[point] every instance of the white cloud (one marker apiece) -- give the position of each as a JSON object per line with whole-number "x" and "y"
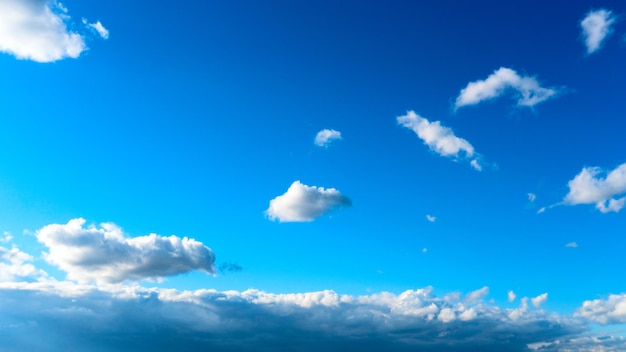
{"x": 6, "y": 237}
{"x": 104, "y": 254}
{"x": 477, "y": 294}
{"x": 572, "y": 245}
{"x": 439, "y": 138}
{"x": 98, "y": 27}
{"x": 588, "y": 188}
{"x": 539, "y": 300}
{"x": 596, "y": 27}
{"x": 302, "y": 203}
{"x": 532, "y": 197}
{"x": 431, "y": 218}
{"x": 324, "y": 137}
{"x": 424, "y": 250}
{"x": 474, "y": 163}
{"x": 541, "y": 210}
{"x": 35, "y": 30}
{"x": 511, "y": 296}
{"x": 526, "y": 89}
{"x": 605, "y": 311}
{"x": 14, "y": 264}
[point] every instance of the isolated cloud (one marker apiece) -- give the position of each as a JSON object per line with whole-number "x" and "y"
{"x": 123, "y": 318}
{"x": 571, "y": 245}
{"x": 588, "y": 187}
{"x": 605, "y": 311}
{"x": 302, "y": 203}
{"x": 511, "y": 296}
{"x": 439, "y": 138}
{"x": 477, "y": 295}
{"x": 104, "y": 254}
{"x": 526, "y": 89}
{"x": 431, "y": 218}
{"x": 98, "y": 27}
{"x": 324, "y": 137}
{"x": 596, "y": 27}
{"x": 36, "y": 30}
{"x": 532, "y": 197}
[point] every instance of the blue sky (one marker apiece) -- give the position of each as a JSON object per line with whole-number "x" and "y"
{"x": 440, "y": 164}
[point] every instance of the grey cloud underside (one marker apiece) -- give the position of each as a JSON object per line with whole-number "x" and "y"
{"x": 100, "y": 321}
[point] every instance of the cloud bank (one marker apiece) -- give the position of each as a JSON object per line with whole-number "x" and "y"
{"x": 596, "y": 27}
{"x": 526, "y": 89}
{"x": 104, "y": 254}
{"x": 302, "y": 203}
{"x": 438, "y": 138}
{"x": 35, "y": 30}
{"x": 122, "y": 318}
{"x": 588, "y": 187}
{"x": 324, "y": 137}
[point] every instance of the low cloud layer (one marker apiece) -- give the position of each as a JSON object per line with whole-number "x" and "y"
{"x": 526, "y": 89}
{"x": 123, "y": 318}
{"x": 302, "y": 203}
{"x": 596, "y": 27}
{"x": 589, "y": 187}
{"x": 439, "y": 139}
{"x": 324, "y": 137}
{"x": 104, "y": 254}
{"x": 36, "y": 30}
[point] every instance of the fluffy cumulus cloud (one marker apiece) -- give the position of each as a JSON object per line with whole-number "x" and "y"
{"x": 605, "y": 311}
{"x": 302, "y": 203}
{"x": 440, "y": 139}
{"x": 596, "y": 27}
{"x": 324, "y": 137}
{"x": 122, "y": 318}
{"x": 589, "y": 187}
{"x": 36, "y": 30}
{"x": 526, "y": 89}
{"x": 511, "y": 296}
{"x": 104, "y": 254}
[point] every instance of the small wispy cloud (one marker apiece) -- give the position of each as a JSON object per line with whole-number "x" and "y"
{"x": 424, "y": 250}
{"x": 532, "y": 197}
{"x": 511, "y": 296}
{"x": 324, "y": 137}
{"x": 571, "y": 245}
{"x": 588, "y": 187}
{"x": 431, "y": 218}
{"x": 229, "y": 267}
{"x": 302, "y": 203}
{"x": 596, "y": 27}
{"x": 440, "y": 139}
{"x": 526, "y": 89}
{"x": 98, "y": 27}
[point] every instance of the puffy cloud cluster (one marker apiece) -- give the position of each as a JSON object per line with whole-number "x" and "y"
{"x": 36, "y": 30}
{"x": 15, "y": 264}
{"x": 588, "y": 187}
{"x": 104, "y": 254}
{"x": 596, "y": 27}
{"x": 118, "y": 317}
{"x": 438, "y": 138}
{"x": 302, "y": 203}
{"x": 324, "y": 137}
{"x": 526, "y": 89}
{"x": 605, "y": 311}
